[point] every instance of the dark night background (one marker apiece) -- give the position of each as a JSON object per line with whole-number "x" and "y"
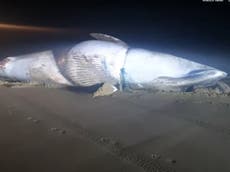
{"x": 195, "y": 30}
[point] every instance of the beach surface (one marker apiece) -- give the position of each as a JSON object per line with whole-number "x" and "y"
{"x": 47, "y": 129}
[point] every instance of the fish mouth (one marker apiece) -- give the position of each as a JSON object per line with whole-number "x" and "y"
{"x": 201, "y": 77}
{"x": 209, "y": 73}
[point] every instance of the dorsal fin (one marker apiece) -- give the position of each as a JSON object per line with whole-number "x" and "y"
{"x": 105, "y": 37}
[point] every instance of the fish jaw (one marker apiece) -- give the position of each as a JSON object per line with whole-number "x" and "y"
{"x": 199, "y": 79}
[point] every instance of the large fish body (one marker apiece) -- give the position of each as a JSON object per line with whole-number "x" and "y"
{"x": 99, "y": 61}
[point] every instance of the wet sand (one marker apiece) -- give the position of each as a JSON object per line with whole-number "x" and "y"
{"x": 44, "y": 129}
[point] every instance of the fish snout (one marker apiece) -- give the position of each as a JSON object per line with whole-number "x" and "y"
{"x": 219, "y": 74}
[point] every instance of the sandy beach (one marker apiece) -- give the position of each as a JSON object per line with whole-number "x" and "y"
{"x": 46, "y": 129}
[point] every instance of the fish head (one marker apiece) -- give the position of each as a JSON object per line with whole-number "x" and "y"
{"x": 159, "y": 69}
